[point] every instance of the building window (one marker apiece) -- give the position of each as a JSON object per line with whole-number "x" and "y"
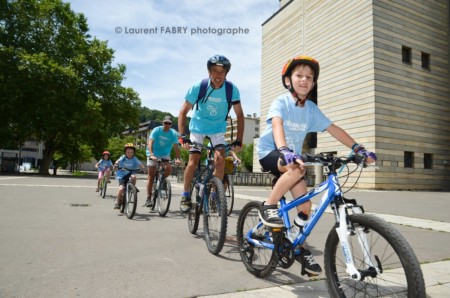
{"x": 425, "y": 60}
{"x": 406, "y": 54}
{"x": 409, "y": 159}
{"x": 428, "y": 161}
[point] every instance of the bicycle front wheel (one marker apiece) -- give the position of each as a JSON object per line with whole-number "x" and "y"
{"x": 131, "y": 201}
{"x": 154, "y": 195}
{"x": 164, "y": 196}
{"x": 104, "y": 186}
{"x": 215, "y": 216}
{"x": 379, "y": 251}
{"x": 254, "y": 241}
{"x": 229, "y": 194}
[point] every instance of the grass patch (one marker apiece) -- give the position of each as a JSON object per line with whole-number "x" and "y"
{"x": 79, "y": 174}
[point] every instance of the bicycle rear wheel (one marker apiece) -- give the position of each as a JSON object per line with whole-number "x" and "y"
{"x": 215, "y": 216}
{"x": 259, "y": 259}
{"x": 194, "y": 212}
{"x": 164, "y": 197}
{"x": 397, "y": 272}
{"x": 229, "y": 194}
{"x": 131, "y": 201}
{"x": 122, "y": 205}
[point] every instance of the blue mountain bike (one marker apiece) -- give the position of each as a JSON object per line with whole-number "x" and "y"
{"x": 209, "y": 199}
{"x": 162, "y": 192}
{"x": 364, "y": 255}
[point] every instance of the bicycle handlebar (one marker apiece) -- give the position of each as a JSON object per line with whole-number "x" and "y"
{"x": 198, "y": 145}
{"x": 327, "y": 160}
{"x": 127, "y": 169}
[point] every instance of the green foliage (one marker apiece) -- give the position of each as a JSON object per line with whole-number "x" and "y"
{"x": 57, "y": 83}
{"x": 145, "y": 114}
{"x": 246, "y": 156}
{"x": 116, "y": 147}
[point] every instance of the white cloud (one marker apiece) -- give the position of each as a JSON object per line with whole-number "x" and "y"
{"x": 162, "y": 66}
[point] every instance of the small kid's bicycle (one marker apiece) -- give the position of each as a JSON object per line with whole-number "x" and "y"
{"x": 162, "y": 193}
{"x": 210, "y": 200}
{"x": 364, "y": 255}
{"x": 129, "y": 201}
{"x": 103, "y": 184}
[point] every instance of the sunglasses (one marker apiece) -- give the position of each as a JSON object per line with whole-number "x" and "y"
{"x": 167, "y": 123}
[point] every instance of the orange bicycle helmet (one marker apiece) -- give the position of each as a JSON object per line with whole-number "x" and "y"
{"x": 301, "y": 59}
{"x": 289, "y": 67}
{"x": 106, "y": 152}
{"x": 129, "y": 145}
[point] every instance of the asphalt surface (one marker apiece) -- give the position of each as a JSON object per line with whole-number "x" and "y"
{"x": 60, "y": 239}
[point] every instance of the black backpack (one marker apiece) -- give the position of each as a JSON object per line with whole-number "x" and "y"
{"x": 204, "y": 88}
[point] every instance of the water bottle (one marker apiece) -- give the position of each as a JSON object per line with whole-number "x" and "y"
{"x": 299, "y": 222}
{"x": 201, "y": 186}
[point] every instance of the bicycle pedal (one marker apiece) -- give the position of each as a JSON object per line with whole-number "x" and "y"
{"x": 309, "y": 274}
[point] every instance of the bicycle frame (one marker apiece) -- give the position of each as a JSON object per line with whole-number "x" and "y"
{"x": 209, "y": 171}
{"x": 331, "y": 193}
{"x": 207, "y": 174}
{"x": 160, "y": 170}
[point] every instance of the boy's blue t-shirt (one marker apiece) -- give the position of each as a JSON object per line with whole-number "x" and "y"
{"x": 297, "y": 122}
{"x": 163, "y": 141}
{"x": 209, "y": 118}
{"x": 104, "y": 164}
{"x": 129, "y": 163}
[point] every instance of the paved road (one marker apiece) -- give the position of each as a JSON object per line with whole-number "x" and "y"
{"x": 60, "y": 239}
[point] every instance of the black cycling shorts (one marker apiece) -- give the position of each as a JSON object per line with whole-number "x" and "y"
{"x": 270, "y": 162}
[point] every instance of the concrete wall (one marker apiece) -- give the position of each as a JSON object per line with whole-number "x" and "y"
{"x": 364, "y": 87}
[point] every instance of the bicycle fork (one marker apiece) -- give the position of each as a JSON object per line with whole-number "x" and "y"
{"x": 344, "y": 230}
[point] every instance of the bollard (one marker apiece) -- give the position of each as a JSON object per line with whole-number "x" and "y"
{"x": 319, "y": 174}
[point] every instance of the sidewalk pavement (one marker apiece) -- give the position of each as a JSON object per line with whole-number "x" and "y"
{"x": 437, "y": 281}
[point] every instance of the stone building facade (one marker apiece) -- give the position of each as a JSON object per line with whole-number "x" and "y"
{"x": 384, "y": 79}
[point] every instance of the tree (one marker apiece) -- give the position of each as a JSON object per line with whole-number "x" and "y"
{"x": 57, "y": 83}
{"x": 116, "y": 147}
{"x": 246, "y": 156}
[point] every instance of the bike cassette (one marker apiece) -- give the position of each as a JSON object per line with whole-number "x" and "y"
{"x": 286, "y": 255}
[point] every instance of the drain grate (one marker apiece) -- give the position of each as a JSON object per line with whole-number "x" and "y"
{"x": 79, "y": 205}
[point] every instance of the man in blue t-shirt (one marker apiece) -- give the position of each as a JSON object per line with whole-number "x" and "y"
{"x": 160, "y": 143}
{"x": 209, "y": 120}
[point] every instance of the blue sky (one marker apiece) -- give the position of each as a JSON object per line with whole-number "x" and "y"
{"x": 169, "y": 53}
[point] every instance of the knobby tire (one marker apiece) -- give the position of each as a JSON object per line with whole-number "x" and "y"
{"x": 258, "y": 260}
{"x": 401, "y": 276}
{"x": 215, "y": 216}
{"x": 164, "y": 197}
{"x": 131, "y": 201}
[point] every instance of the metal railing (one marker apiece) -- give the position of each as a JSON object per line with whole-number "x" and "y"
{"x": 259, "y": 179}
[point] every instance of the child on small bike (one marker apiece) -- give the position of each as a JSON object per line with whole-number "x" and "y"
{"x": 126, "y": 161}
{"x": 104, "y": 167}
{"x": 290, "y": 117}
